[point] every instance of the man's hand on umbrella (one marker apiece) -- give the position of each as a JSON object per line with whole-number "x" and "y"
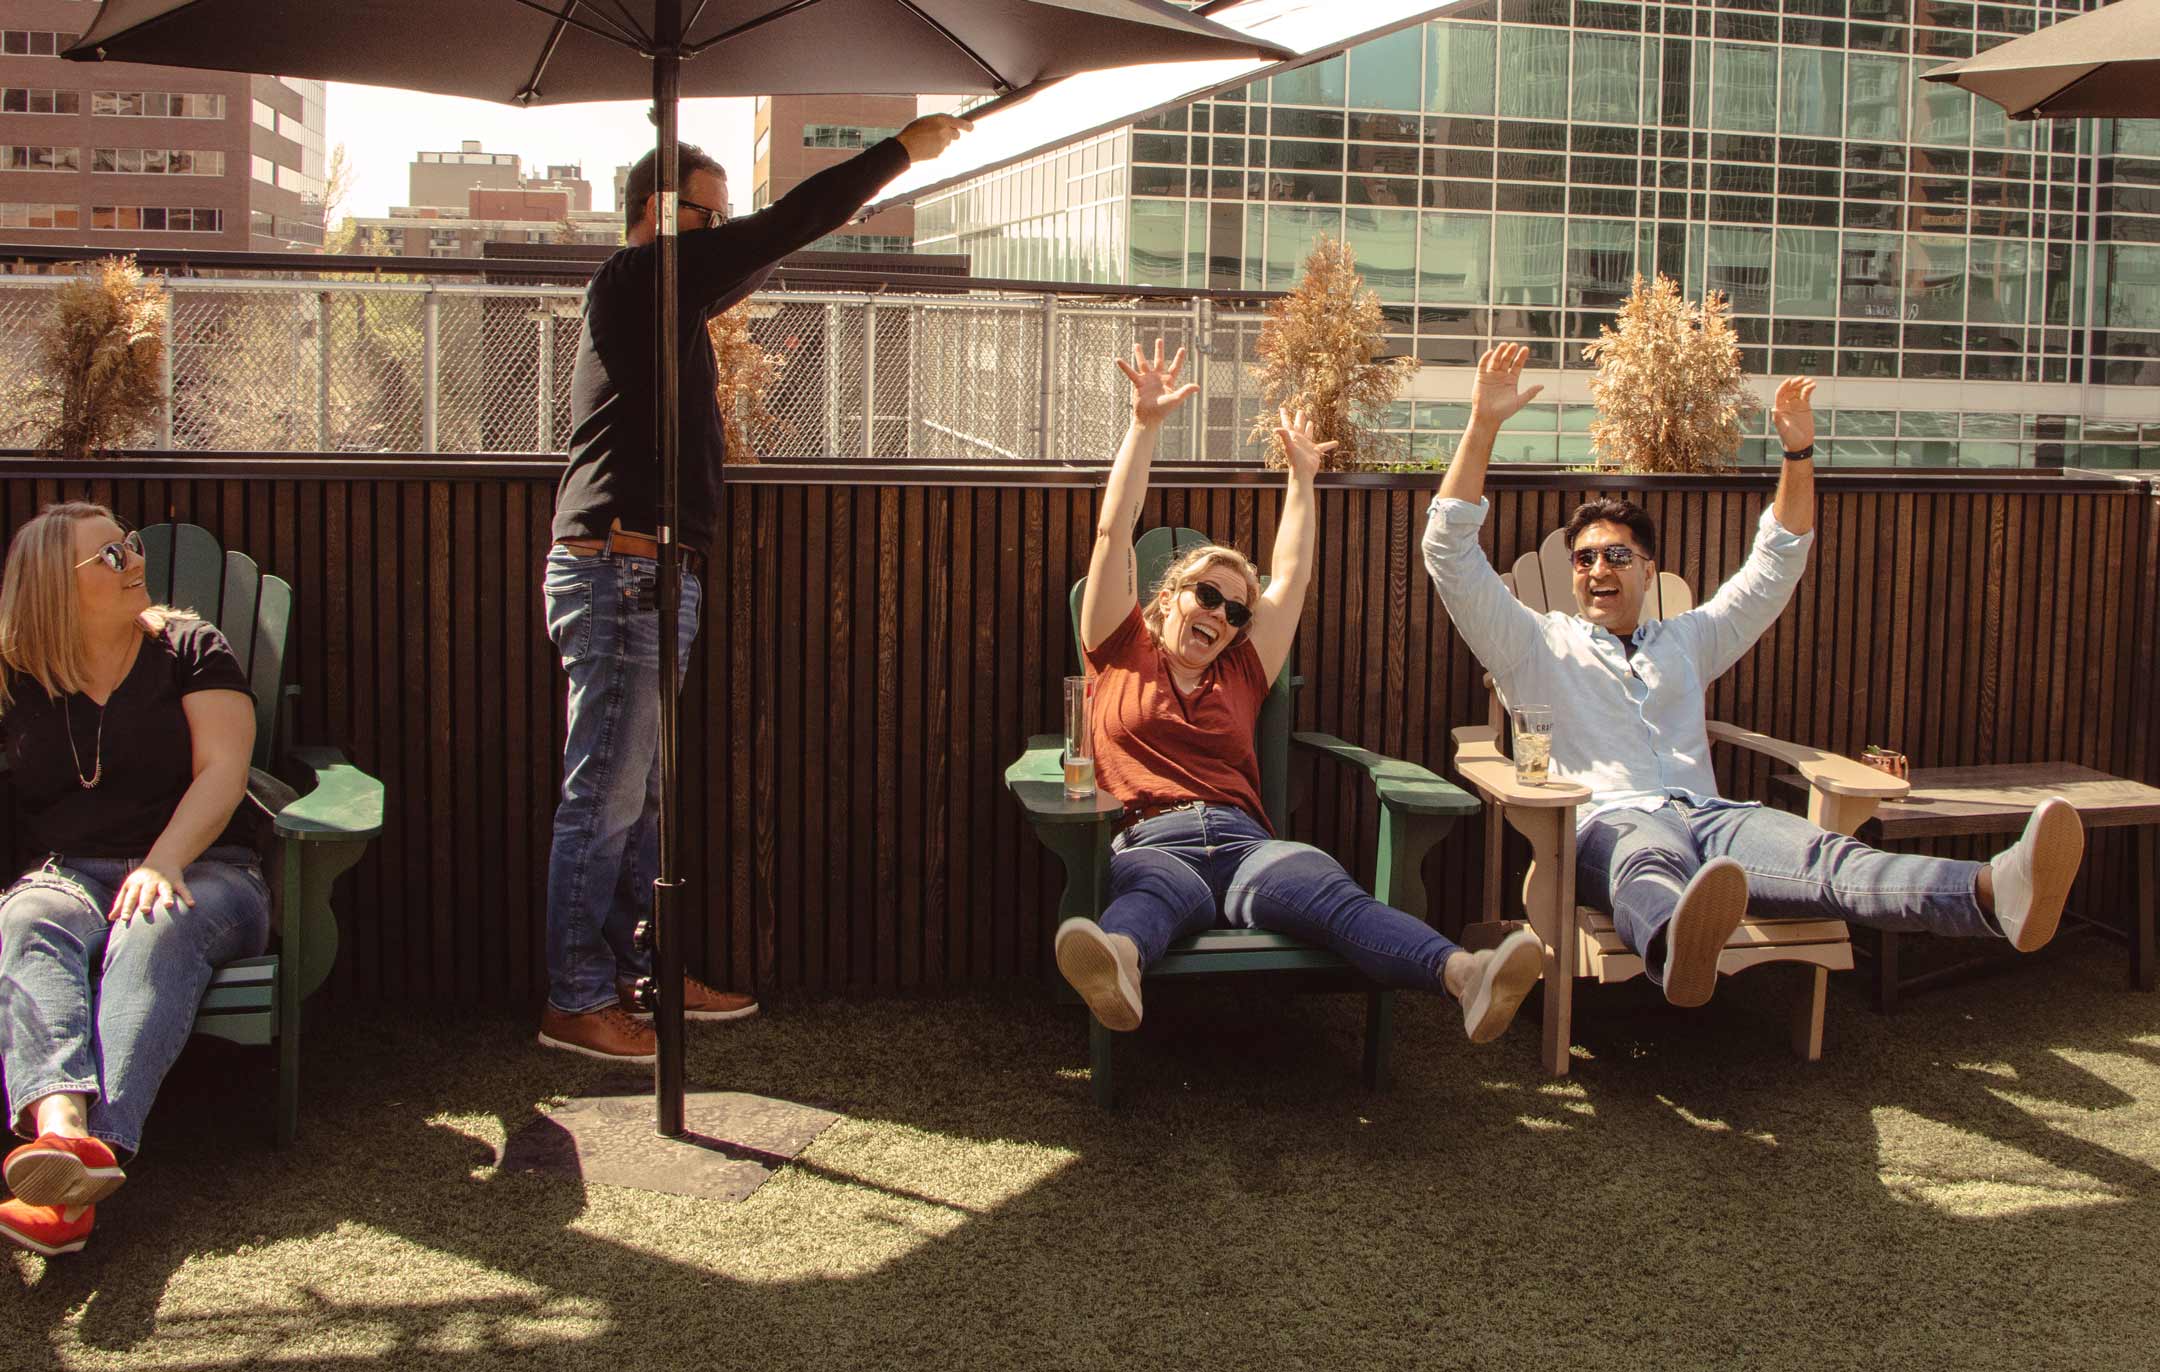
{"x": 930, "y": 135}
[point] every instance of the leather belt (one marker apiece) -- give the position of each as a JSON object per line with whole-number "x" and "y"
{"x": 1140, "y": 814}
{"x": 621, "y": 543}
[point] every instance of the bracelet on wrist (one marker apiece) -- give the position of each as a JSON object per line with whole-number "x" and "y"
{"x": 1801, "y": 454}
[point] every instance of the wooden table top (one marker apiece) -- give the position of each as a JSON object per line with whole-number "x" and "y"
{"x": 1997, "y": 799}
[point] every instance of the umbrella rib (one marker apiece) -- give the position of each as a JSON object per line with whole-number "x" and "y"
{"x": 949, "y": 36}
{"x": 699, "y": 49}
{"x": 613, "y": 33}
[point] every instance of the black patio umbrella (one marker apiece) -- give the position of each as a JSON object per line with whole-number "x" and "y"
{"x": 2102, "y": 64}
{"x": 532, "y": 52}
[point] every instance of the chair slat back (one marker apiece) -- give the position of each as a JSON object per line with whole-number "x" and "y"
{"x": 1154, "y": 551}
{"x": 186, "y": 568}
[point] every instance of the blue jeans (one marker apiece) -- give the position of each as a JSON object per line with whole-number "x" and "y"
{"x": 1191, "y": 870}
{"x": 603, "y": 614}
{"x": 1633, "y": 864}
{"x": 99, "y": 1009}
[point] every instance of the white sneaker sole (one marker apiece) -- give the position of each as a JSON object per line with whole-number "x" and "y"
{"x": 1711, "y": 908}
{"x": 59, "y": 1178}
{"x": 25, "y": 1241}
{"x": 2058, "y": 849}
{"x": 1085, "y": 959}
{"x": 1518, "y": 963}
{"x": 704, "y": 1015}
{"x": 582, "y": 1051}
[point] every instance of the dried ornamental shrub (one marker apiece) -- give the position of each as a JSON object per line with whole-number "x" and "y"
{"x": 101, "y": 352}
{"x": 1321, "y": 351}
{"x": 747, "y": 373}
{"x": 1669, "y": 391}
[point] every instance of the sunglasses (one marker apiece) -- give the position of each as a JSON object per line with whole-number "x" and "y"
{"x": 713, "y": 218}
{"x": 115, "y": 555}
{"x": 1618, "y": 557}
{"x": 1211, "y": 599}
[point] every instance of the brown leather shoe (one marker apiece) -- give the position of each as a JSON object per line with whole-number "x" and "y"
{"x": 699, "y": 1002}
{"x": 606, "y": 1033}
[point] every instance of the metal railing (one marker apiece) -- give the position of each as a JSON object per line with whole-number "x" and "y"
{"x": 367, "y": 366}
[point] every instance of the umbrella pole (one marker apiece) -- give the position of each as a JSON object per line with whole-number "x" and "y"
{"x": 667, "y": 887}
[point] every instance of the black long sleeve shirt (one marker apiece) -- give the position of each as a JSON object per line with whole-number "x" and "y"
{"x": 614, "y": 471}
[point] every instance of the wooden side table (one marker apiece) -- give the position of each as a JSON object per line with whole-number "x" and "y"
{"x": 1998, "y": 800}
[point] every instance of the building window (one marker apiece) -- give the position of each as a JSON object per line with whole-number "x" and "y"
{"x": 34, "y": 42}
{"x": 156, "y": 218}
{"x": 265, "y": 117}
{"x": 21, "y": 100}
{"x": 17, "y": 157}
{"x": 843, "y": 135}
{"x": 157, "y": 162}
{"x": 40, "y": 217}
{"x": 156, "y": 105}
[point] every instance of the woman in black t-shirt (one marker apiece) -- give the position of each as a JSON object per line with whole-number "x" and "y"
{"x": 129, "y": 728}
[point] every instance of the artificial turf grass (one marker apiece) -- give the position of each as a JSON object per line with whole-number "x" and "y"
{"x": 1971, "y": 1183}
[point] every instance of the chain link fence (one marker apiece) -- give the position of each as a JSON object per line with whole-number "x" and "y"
{"x": 367, "y": 367}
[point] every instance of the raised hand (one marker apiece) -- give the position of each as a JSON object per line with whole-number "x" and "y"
{"x": 1297, "y": 436}
{"x": 1499, "y": 393}
{"x": 1156, "y": 394}
{"x": 930, "y": 135}
{"x": 1794, "y": 414}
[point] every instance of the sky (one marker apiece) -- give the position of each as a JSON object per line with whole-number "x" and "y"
{"x": 382, "y": 129}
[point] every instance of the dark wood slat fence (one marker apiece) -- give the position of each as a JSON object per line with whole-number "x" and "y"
{"x": 877, "y": 646}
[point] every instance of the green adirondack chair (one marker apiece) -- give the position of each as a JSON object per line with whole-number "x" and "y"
{"x": 1417, "y": 809}
{"x": 324, "y": 809}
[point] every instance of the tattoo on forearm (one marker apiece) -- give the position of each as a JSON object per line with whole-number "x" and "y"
{"x": 1132, "y": 573}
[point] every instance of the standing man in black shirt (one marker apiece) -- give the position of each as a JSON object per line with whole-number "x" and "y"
{"x": 602, "y": 573}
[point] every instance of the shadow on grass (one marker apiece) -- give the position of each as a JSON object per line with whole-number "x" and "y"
{"x": 1959, "y": 1185}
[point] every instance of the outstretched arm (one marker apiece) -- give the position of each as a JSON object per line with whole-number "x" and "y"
{"x": 1794, "y": 415}
{"x": 1113, "y": 585}
{"x": 1290, "y": 566}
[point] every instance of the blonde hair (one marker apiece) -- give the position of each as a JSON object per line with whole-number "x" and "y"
{"x": 1189, "y": 567}
{"x": 40, "y": 632}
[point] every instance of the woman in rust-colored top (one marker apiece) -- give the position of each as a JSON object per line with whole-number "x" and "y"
{"x": 1178, "y": 682}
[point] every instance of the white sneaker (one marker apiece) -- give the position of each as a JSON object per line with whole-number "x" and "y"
{"x": 1711, "y": 908}
{"x": 2033, "y": 876}
{"x": 1499, "y": 979}
{"x": 1099, "y": 968}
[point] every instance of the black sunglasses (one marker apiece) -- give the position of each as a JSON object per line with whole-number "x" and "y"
{"x": 1212, "y": 599}
{"x": 115, "y": 555}
{"x": 1618, "y": 557}
{"x": 713, "y": 217}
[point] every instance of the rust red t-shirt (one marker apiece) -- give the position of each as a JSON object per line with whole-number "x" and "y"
{"x": 1155, "y": 744}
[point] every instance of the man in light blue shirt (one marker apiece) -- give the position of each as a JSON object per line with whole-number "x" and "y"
{"x": 1675, "y": 864}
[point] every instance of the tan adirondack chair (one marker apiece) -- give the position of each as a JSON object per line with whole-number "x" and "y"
{"x": 1580, "y": 942}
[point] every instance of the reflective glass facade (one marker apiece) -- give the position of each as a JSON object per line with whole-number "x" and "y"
{"x": 1505, "y": 169}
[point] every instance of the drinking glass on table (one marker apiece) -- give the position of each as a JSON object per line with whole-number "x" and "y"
{"x": 1533, "y": 743}
{"x": 1079, "y": 746}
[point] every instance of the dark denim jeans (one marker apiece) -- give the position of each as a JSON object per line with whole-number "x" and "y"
{"x": 1189, "y": 870}
{"x": 603, "y": 614}
{"x": 102, "y": 1010}
{"x": 1633, "y": 864}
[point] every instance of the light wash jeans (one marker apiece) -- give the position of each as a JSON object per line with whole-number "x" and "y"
{"x": 603, "y": 614}
{"x": 1188, "y": 870}
{"x": 100, "y": 1009}
{"x": 1633, "y": 864}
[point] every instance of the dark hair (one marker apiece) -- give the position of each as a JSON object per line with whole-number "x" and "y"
{"x": 1611, "y": 509}
{"x": 645, "y": 177}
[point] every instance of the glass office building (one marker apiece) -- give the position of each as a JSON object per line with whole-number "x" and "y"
{"x": 1986, "y": 293}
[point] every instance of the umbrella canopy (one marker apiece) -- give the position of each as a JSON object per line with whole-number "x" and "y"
{"x": 562, "y": 51}
{"x": 2105, "y": 64}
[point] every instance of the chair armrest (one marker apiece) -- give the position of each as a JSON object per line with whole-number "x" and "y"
{"x": 1829, "y": 773}
{"x": 343, "y": 804}
{"x": 1492, "y": 772}
{"x": 1402, "y": 786}
{"x": 1037, "y": 777}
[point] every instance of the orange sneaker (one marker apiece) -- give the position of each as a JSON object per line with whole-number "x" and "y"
{"x": 58, "y": 1170}
{"x": 46, "y": 1229}
{"x": 605, "y": 1033}
{"x": 699, "y": 1002}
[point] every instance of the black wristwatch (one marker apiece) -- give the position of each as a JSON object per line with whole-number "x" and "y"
{"x": 1801, "y": 454}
